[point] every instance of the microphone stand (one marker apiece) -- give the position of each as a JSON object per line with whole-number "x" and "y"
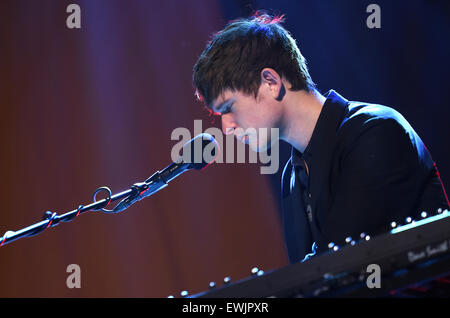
{"x": 137, "y": 192}
{"x": 50, "y": 219}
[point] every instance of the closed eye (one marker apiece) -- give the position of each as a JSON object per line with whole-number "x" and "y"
{"x": 227, "y": 109}
{"x": 224, "y": 108}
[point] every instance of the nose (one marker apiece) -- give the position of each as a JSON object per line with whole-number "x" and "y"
{"x": 228, "y": 124}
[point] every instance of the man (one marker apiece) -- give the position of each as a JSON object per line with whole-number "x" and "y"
{"x": 355, "y": 167}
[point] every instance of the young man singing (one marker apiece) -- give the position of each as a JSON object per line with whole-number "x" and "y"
{"x": 355, "y": 167}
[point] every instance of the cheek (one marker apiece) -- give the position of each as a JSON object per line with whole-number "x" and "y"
{"x": 267, "y": 117}
{"x": 273, "y": 115}
{"x": 244, "y": 117}
{"x": 256, "y": 115}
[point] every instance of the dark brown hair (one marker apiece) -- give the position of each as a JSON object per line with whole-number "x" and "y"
{"x": 235, "y": 56}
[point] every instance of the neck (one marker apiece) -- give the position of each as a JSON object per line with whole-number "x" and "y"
{"x": 300, "y": 115}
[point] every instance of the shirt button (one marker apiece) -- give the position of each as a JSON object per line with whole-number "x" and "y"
{"x": 309, "y": 212}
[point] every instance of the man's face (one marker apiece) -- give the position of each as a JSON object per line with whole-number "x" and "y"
{"x": 249, "y": 119}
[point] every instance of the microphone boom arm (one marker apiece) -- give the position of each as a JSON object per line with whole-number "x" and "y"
{"x": 136, "y": 193}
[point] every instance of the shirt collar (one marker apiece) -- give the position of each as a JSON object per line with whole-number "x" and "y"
{"x": 328, "y": 123}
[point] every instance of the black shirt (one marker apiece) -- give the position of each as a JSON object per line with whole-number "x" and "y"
{"x": 363, "y": 168}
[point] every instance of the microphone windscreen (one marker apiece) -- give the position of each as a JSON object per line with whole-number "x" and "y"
{"x": 200, "y": 151}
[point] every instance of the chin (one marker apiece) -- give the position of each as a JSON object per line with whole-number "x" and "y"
{"x": 259, "y": 145}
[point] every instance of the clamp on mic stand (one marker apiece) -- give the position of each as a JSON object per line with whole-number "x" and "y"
{"x": 141, "y": 190}
{"x": 50, "y": 219}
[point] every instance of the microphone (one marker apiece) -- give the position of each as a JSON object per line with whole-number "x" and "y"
{"x": 198, "y": 153}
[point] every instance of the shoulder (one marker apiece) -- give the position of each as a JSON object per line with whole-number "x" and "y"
{"x": 363, "y": 119}
{"x": 363, "y": 114}
{"x": 371, "y": 128}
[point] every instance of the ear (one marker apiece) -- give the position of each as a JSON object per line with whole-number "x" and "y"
{"x": 272, "y": 81}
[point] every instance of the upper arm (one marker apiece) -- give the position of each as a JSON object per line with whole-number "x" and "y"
{"x": 372, "y": 176}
